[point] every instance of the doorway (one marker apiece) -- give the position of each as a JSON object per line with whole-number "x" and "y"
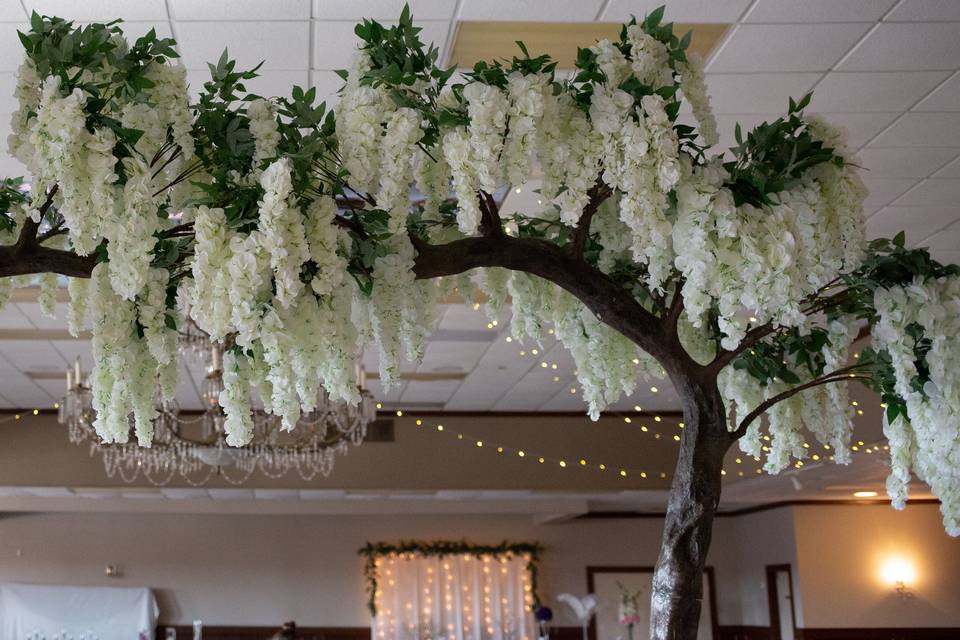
{"x": 783, "y": 624}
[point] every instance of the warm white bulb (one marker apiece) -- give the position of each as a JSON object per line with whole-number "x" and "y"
{"x": 898, "y": 570}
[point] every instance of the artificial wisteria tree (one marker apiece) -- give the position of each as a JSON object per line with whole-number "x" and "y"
{"x": 289, "y": 233}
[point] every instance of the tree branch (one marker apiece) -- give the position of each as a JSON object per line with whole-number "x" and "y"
{"x": 611, "y": 303}
{"x": 490, "y": 224}
{"x": 838, "y": 375}
{"x": 27, "y": 260}
{"x": 598, "y": 193}
{"x": 27, "y": 256}
{"x": 755, "y": 335}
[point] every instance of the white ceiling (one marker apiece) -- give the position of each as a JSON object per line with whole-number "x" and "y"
{"x": 886, "y": 70}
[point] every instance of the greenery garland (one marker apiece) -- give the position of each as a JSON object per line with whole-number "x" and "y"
{"x": 373, "y": 550}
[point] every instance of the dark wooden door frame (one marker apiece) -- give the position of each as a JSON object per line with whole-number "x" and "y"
{"x": 708, "y": 571}
{"x": 772, "y": 600}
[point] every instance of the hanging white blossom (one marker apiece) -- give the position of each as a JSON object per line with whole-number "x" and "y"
{"x": 284, "y": 237}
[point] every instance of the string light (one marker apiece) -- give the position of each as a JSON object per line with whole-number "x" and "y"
{"x": 622, "y": 472}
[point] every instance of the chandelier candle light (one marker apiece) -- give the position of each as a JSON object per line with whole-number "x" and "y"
{"x": 195, "y": 447}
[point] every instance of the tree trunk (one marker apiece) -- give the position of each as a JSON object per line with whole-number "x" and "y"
{"x": 677, "y": 592}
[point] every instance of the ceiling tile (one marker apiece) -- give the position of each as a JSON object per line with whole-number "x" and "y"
{"x": 448, "y": 357}
{"x": 12, "y": 11}
{"x": 240, "y": 10}
{"x": 874, "y": 91}
{"x": 532, "y": 10}
{"x": 496, "y": 372}
{"x": 12, "y": 318}
{"x": 918, "y": 222}
{"x": 335, "y": 42}
{"x": 465, "y": 318}
{"x": 11, "y": 51}
{"x": 949, "y": 256}
{"x": 883, "y": 191}
{"x": 906, "y": 46}
{"x": 279, "y": 45}
{"x": 135, "y": 29}
{"x": 32, "y": 311}
{"x": 861, "y": 127}
{"x": 429, "y": 391}
{"x": 356, "y": 10}
{"x": 925, "y": 11}
{"x": 945, "y": 98}
{"x": 726, "y": 125}
{"x": 103, "y": 10}
{"x": 922, "y": 130}
{"x": 393, "y": 395}
{"x": 946, "y": 240}
{"x": 905, "y": 162}
{"x": 727, "y": 11}
{"x": 271, "y": 83}
{"x": 818, "y": 10}
{"x": 23, "y": 393}
{"x": 757, "y": 92}
{"x": 952, "y": 170}
{"x": 32, "y": 355}
{"x": 532, "y": 391}
{"x": 328, "y": 84}
{"x": 10, "y": 166}
{"x": 935, "y": 192}
{"x": 70, "y": 350}
{"x": 786, "y": 47}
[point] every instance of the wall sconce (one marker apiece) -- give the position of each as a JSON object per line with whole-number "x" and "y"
{"x": 899, "y": 573}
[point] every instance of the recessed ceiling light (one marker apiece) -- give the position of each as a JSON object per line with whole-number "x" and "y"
{"x": 864, "y": 494}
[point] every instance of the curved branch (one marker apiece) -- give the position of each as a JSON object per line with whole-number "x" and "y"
{"x": 838, "y": 375}
{"x": 611, "y": 303}
{"x": 28, "y": 260}
{"x": 597, "y": 193}
{"x": 816, "y": 304}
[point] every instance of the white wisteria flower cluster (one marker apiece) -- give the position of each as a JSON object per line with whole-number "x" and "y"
{"x": 292, "y": 235}
{"x": 930, "y": 445}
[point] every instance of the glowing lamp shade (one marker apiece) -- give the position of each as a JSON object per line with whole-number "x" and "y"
{"x": 898, "y": 571}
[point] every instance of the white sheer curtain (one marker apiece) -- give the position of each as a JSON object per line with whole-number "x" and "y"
{"x": 461, "y": 597}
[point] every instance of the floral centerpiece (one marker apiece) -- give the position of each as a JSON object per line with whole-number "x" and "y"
{"x": 543, "y": 616}
{"x": 629, "y": 614}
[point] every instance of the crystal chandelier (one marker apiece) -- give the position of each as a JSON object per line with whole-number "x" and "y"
{"x": 193, "y": 445}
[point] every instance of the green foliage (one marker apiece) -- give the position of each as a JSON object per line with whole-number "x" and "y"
{"x": 95, "y": 59}
{"x": 11, "y": 196}
{"x": 774, "y": 155}
{"x": 791, "y": 358}
{"x": 400, "y": 63}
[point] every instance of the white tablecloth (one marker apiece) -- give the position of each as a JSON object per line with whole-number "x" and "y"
{"x": 71, "y": 613}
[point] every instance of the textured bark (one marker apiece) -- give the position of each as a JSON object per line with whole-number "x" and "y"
{"x": 21, "y": 261}
{"x": 677, "y": 594}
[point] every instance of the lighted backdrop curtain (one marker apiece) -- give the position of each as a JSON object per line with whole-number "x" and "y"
{"x": 461, "y": 597}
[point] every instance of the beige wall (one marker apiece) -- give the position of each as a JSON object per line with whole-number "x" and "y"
{"x": 841, "y": 553}
{"x": 743, "y": 547}
{"x": 259, "y": 570}
{"x": 35, "y": 452}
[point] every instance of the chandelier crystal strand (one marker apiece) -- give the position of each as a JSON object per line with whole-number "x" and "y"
{"x": 194, "y": 447}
